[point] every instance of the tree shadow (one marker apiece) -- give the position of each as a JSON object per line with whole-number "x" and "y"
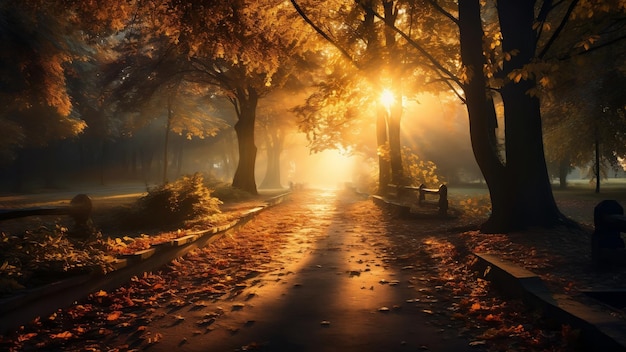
{"x": 343, "y": 293}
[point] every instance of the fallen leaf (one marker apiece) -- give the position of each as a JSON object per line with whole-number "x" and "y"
{"x": 26, "y": 337}
{"x": 478, "y": 343}
{"x": 62, "y": 335}
{"x": 114, "y": 315}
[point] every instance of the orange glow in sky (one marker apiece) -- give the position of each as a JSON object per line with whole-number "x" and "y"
{"x": 328, "y": 169}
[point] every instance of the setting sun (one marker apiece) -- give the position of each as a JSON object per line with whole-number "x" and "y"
{"x": 387, "y": 98}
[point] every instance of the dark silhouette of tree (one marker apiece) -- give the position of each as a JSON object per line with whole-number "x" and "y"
{"x": 38, "y": 47}
{"x": 585, "y": 114}
{"x": 510, "y": 65}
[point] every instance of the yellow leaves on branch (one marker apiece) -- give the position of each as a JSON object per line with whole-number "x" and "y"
{"x": 541, "y": 71}
{"x": 467, "y": 73}
{"x": 509, "y": 54}
{"x": 517, "y": 75}
{"x": 587, "y": 42}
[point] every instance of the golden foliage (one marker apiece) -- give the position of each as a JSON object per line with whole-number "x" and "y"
{"x": 478, "y": 207}
{"x": 419, "y": 171}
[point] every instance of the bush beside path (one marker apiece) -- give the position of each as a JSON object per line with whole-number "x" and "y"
{"x": 325, "y": 271}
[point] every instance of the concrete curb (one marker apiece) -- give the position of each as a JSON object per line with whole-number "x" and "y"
{"x": 600, "y": 330}
{"x": 43, "y": 301}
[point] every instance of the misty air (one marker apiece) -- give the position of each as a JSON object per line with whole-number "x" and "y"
{"x": 272, "y": 175}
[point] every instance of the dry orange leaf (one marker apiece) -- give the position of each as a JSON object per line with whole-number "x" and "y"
{"x": 114, "y": 315}
{"x": 26, "y": 337}
{"x": 491, "y": 317}
{"x": 62, "y": 335}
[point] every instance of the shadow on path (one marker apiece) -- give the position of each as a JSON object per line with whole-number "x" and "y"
{"x": 333, "y": 292}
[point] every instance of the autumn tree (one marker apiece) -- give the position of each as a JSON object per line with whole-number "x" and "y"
{"x": 511, "y": 64}
{"x": 234, "y": 47}
{"x": 275, "y": 121}
{"x": 39, "y": 45}
{"x": 369, "y": 80}
{"x": 585, "y": 114}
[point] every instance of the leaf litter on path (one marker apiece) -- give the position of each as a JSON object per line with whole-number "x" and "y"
{"x": 207, "y": 275}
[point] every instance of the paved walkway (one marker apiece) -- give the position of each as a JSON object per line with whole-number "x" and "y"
{"x": 328, "y": 288}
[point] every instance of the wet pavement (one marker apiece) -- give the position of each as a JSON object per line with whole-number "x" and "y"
{"x": 329, "y": 286}
{"x": 315, "y": 273}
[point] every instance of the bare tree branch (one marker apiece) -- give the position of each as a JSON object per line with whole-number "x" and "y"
{"x": 443, "y": 11}
{"x": 556, "y": 33}
{"x": 325, "y": 35}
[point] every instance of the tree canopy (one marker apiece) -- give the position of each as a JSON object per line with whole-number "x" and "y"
{"x": 72, "y": 64}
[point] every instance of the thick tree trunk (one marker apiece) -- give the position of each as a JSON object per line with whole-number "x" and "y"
{"x": 180, "y": 154}
{"x": 244, "y": 175}
{"x": 395, "y": 110}
{"x": 274, "y": 148}
{"x": 395, "y": 147}
{"x": 166, "y": 144}
{"x": 482, "y": 118}
{"x": 228, "y": 155}
{"x": 534, "y": 202}
{"x": 596, "y": 165}
{"x": 563, "y": 171}
{"x": 384, "y": 166}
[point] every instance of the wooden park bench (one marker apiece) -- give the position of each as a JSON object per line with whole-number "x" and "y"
{"x": 442, "y": 192}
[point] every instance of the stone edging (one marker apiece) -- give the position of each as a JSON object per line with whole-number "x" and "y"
{"x": 43, "y": 301}
{"x": 600, "y": 331}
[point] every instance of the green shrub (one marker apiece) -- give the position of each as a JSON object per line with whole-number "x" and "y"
{"x": 184, "y": 202}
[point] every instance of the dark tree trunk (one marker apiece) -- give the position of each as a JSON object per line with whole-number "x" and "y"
{"x": 228, "y": 155}
{"x": 395, "y": 148}
{"x": 533, "y": 201}
{"x": 247, "y": 100}
{"x": 395, "y": 110}
{"x": 274, "y": 143}
{"x": 481, "y": 114}
{"x": 563, "y": 171}
{"x": 520, "y": 192}
{"x": 147, "y": 157}
{"x": 384, "y": 166}
{"x": 166, "y": 144}
{"x": 596, "y": 166}
{"x": 180, "y": 154}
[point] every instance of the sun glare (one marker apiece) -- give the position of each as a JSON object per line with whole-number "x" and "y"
{"x": 387, "y": 98}
{"x": 328, "y": 170}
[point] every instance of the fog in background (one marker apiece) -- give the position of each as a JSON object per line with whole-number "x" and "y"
{"x": 435, "y": 130}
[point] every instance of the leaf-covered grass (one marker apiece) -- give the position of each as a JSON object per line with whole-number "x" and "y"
{"x": 44, "y": 254}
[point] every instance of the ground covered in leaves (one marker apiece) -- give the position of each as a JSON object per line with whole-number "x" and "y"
{"x": 203, "y": 287}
